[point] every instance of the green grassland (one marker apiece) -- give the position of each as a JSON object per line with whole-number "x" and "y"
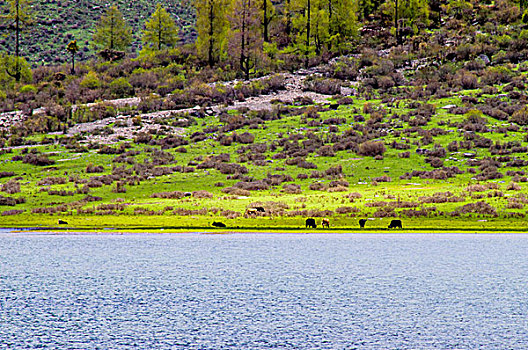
{"x": 134, "y": 208}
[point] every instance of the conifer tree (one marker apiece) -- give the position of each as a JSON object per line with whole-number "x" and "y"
{"x": 342, "y": 20}
{"x": 19, "y": 16}
{"x": 406, "y": 12}
{"x": 113, "y": 32}
{"x": 212, "y": 26}
{"x": 160, "y": 29}
{"x": 268, "y": 11}
{"x": 72, "y": 48}
{"x": 245, "y": 40}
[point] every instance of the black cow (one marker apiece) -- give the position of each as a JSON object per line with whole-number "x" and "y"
{"x": 310, "y": 223}
{"x": 218, "y": 224}
{"x": 395, "y": 224}
{"x": 260, "y": 209}
{"x": 62, "y": 222}
{"x": 362, "y": 223}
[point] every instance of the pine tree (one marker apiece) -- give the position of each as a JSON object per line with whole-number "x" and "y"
{"x": 113, "y": 32}
{"x": 160, "y": 29}
{"x": 245, "y": 40}
{"x": 19, "y": 16}
{"x": 406, "y": 13}
{"x": 212, "y": 26}
{"x": 268, "y": 12}
{"x": 72, "y": 48}
{"x": 342, "y": 21}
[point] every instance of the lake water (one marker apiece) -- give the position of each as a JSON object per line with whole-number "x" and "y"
{"x": 262, "y": 291}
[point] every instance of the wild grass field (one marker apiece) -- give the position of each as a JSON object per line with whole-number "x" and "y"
{"x": 436, "y": 168}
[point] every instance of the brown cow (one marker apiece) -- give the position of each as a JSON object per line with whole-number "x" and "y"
{"x": 325, "y": 223}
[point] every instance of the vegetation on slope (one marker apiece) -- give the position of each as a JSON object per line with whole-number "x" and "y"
{"x": 431, "y": 130}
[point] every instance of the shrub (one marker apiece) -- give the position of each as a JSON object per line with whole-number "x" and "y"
{"x": 10, "y": 201}
{"x": 37, "y": 159}
{"x": 11, "y": 187}
{"x": 28, "y": 89}
{"x": 142, "y": 137}
{"x": 476, "y": 208}
{"x": 91, "y": 81}
{"x": 326, "y": 151}
{"x": 236, "y": 191}
{"x": 291, "y": 189}
{"x": 168, "y": 195}
{"x": 52, "y": 180}
{"x": 383, "y": 178}
{"x": 245, "y": 138}
{"x": 202, "y": 194}
{"x": 231, "y": 168}
{"x": 347, "y": 210}
{"x": 371, "y": 149}
{"x": 520, "y": 117}
{"x": 317, "y": 186}
{"x": 120, "y": 88}
{"x": 12, "y": 212}
{"x": 323, "y": 86}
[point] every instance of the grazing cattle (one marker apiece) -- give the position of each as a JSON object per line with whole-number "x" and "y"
{"x": 255, "y": 211}
{"x": 395, "y": 224}
{"x": 362, "y": 223}
{"x": 310, "y": 223}
{"x": 251, "y": 212}
{"x": 325, "y": 223}
{"x": 218, "y": 224}
{"x": 62, "y": 222}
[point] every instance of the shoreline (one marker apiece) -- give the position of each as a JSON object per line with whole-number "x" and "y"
{"x": 251, "y": 230}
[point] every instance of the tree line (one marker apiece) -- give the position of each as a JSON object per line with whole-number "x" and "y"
{"x": 249, "y": 35}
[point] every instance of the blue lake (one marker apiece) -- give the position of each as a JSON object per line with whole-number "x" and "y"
{"x": 262, "y": 291}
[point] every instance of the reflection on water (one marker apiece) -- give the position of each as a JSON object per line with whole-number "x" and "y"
{"x": 263, "y": 291}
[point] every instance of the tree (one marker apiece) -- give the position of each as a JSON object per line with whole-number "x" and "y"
{"x": 342, "y": 21}
{"x": 268, "y": 11}
{"x": 72, "y": 48}
{"x": 19, "y": 16}
{"x": 10, "y": 64}
{"x": 245, "y": 41}
{"x": 406, "y": 13}
{"x": 160, "y": 29}
{"x": 112, "y": 31}
{"x": 212, "y": 26}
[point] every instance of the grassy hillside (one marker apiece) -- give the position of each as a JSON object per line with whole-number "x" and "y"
{"x": 432, "y": 131}
{"x": 57, "y": 22}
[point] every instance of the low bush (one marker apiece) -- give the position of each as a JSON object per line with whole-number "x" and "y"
{"x": 168, "y": 195}
{"x": 291, "y": 189}
{"x": 11, "y": 187}
{"x": 371, "y": 149}
{"x": 37, "y": 159}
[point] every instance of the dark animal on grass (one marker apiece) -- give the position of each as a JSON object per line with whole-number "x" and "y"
{"x": 325, "y": 223}
{"x": 254, "y": 211}
{"x": 62, "y": 222}
{"x": 362, "y": 223}
{"x": 310, "y": 223}
{"x": 395, "y": 224}
{"x": 218, "y": 224}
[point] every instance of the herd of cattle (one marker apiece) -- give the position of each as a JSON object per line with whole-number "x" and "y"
{"x": 310, "y": 223}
